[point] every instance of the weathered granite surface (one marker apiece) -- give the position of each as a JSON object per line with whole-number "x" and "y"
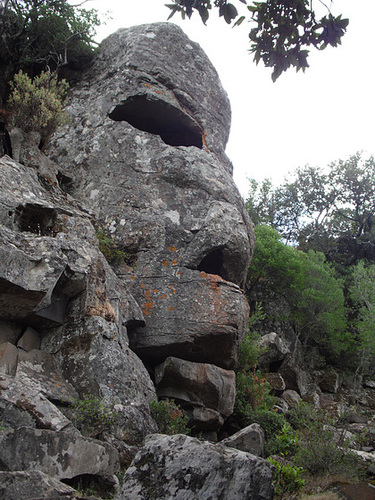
{"x": 141, "y": 161}
{"x": 170, "y": 204}
{"x": 206, "y": 390}
{"x": 185, "y": 468}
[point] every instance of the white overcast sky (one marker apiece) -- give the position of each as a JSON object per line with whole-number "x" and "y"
{"x": 323, "y": 115}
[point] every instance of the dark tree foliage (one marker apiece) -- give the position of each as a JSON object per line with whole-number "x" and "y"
{"x": 40, "y": 34}
{"x": 284, "y": 29}
{"x": 331, "y": 210}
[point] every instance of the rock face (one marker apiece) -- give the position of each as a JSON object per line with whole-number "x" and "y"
{"x": 154, "y": 171}
{"x": 206, "y": 390}
{"x": 139, "y": 174}
{"x": 33, "y": 484}
{"x": 68, "y": 455}
{"x": 186, "y": 468}
{"x": 250, "y": 439}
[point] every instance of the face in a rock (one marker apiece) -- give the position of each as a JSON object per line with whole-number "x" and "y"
{"x": 145, "y": 151}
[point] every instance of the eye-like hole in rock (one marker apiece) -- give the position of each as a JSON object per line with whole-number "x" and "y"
{"x": 213, "y": 263}
{"x": 65, "y": 182}
{"x": 156, "y": 116}
{"x": 35, "y": 219}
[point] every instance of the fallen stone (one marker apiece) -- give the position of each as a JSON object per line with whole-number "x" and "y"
{"x": 32, "y": 485}
{"x": 25, "y": 393}
{"x": 295, "y": 377}
{"x": 198, "y": 317}
{"x": 186, "y": 468}
{"x": 251, "y": 439}
{"x": 9, "y": 332}
{"x": 35, "y": 385}
{"x": 369, "y": 383}
{"x": 30, "y": 340}
{"x": 200, "y": 384}
{"x": 14, "y": 417}
{"x": 207, "y": 419}
{"x": 276, "y": 381}
{"x": 60, "y": 455}
{"x": 292, "y": 398}
{"x": 273, "y": 351}
{"x": 8, "y": 358}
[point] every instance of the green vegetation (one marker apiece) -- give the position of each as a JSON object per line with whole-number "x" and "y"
{"x": 92, "y": 415}
{"x": 111, "y": 252}
{"x": 37, "y": 105}
{"x": 169, "y": 417}
{"x": 314, "y": 253}
{"x": 287, "y": 479}
{"x": 46, "y": 32}
{"x": 282, "y": 32}
{"x": 306, "y": 282}
{"x": 44, "y": 35}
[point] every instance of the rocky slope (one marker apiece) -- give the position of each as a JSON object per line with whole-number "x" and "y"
{"x": 141, "y": 163}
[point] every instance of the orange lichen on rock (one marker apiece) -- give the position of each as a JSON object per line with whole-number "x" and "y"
{"x": 148, "y": 304}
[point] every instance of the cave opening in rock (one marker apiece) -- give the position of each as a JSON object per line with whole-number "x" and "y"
{"x": 156, "y": 116}
{"x": 35, "y": 219}
{"x": 213, "y": 263}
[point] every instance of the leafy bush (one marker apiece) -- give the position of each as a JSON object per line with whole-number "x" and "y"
{"x": 270, "y": 421}
{"x": 320, "y": 454}
{"x": 287, "y": 478}
{"x": 47, "y": 32}
{"x": 285, "y": 443}
{"x": 252, "y": 391}
{"x": 169, "y": 417}
{"x": 37, "y": 105}
{"x": 303, "y": 415}
{"x": 308, "y": 284}
{"x": 92, "y": 415}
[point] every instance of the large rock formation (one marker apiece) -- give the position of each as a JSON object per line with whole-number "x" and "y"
{"x": 186, "y": 468}
{"x": 141, "y": 163}
{"x": 154, "y": 171}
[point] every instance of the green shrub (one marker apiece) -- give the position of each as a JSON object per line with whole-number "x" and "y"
{"x": 285, "y": 443}
{"x": 91, "y": 415}
{"x": 320, "y": 454}
{"x": 303, "y": 415}
{"x": 270, "y": 421}
{"x": 37, "y": 105}
{"x": 252, "y": 391}
{"x": 169, "y": 417}
{"x": 286, "y": 479}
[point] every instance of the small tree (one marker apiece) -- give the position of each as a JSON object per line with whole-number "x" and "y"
{"x": 37, "y": 105}
{"x": 306, "y": 282}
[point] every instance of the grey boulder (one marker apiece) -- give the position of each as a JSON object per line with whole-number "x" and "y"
{"x": 185, "y": 468}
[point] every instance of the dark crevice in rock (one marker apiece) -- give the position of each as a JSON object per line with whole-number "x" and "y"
{"x": 65, "y": 182}
{"x": 5, "y": 143}
{"x": 100, "y": 485}
{"x": 35, "y": 219}
{"x": 275, "y": 365}
{"x": 212, "y": 263}
{"x": 156, "y": 116}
